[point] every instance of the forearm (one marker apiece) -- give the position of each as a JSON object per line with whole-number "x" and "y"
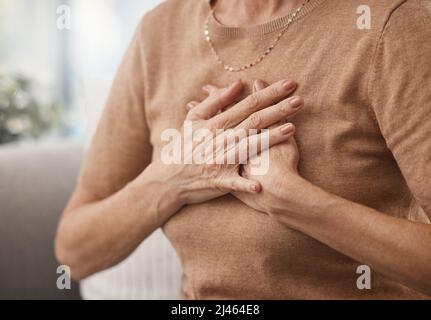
{"x": 395, "y": 247}
{"x": 100, "y": 234}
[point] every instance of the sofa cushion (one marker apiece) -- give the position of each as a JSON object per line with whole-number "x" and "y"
{"x": 35, "y": 184}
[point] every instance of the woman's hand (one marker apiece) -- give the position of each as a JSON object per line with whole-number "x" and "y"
{"x": 389, "y": 245}
{"x": 283, "y": 161}
{"x": 278, "y": 182}
{"x": 195, "y": 183}
{"x": 280, "y": 179}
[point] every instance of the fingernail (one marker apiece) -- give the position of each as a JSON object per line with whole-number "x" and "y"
{"x": 288, "y": 85}
{"x": 255, "y": 88}
{"x": 189, "y": 105}
{"x": 259, "y": 85}
{"x": 232, "y": 85}
{"x": 287, "y": 128}
{"x": 296, "y": 102}
{"x": 254, "y": 188}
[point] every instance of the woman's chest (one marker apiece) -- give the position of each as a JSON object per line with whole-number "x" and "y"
{"x": 340, "y": 144}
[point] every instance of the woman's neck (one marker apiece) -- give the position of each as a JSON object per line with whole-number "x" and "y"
{"x": 245, "y": 13}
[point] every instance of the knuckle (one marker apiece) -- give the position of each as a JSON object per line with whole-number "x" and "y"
{"x": 223, "y": 123}
{"x": 211, "y": 183}
{"x": 213, "y": 125}
{"x": 218, "y": 184}
{"x": 254, "y": 101}
{"x": 210, "y": 125}
{"x": 284, "y": 108}
{"x": 214, "y": 170}
{"x": 274, "y": 91}
{"x": 197, "y": 113}
{"x": 233, "y": 186}
{"x": 255, "y": 121}
{"x": 214, "y": 183}
{"x": 191, "y": 115}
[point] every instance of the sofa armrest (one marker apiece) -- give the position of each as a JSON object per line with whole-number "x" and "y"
{"x": 35, "y": 184}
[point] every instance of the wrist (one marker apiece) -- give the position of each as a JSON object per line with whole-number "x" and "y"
{"x": 157, "y": 182}
{"x": 303, "y": 203}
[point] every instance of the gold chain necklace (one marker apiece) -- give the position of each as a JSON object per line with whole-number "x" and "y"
{"x": 230, "y": 68}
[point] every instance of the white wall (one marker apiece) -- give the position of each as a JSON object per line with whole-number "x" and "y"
{"x": 32, "y": 45}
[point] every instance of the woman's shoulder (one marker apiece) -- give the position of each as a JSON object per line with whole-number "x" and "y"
{"x": 409, "y": 17}
{"x": 170, "y": 12}
{"x": 387, "y": 9}
{"x": 169, "y": 20}
{"x": 381, "y": 14}
{"x": 412, "y": 9}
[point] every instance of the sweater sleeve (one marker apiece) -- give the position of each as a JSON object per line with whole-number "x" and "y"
{"x": 400, "y": 94}
{"x": 120, "y": 149}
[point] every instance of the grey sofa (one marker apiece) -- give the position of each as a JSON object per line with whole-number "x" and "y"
{"x": 35, "y": 184}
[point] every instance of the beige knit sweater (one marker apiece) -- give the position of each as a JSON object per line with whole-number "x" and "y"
{"x": 364, "y": 134}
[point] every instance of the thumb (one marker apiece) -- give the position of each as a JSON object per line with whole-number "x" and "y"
{"x": 240, "y": 184}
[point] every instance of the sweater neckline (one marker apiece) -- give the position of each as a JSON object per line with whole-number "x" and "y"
{"x": 221, "y": 30}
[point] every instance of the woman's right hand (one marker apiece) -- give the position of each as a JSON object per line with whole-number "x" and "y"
{"x": 196, "y": 183}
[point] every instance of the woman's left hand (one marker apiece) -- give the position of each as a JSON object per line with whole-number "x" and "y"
{"x": 389, "y": 245}
{"x": 279, "y": 180}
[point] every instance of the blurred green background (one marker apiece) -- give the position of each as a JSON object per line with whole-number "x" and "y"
{"x": 53, "y": 81}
